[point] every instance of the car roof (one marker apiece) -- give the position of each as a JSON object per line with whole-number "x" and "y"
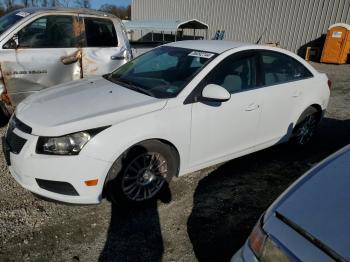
{"x": 66, "y": 10}
{"x": 214, "y": 46}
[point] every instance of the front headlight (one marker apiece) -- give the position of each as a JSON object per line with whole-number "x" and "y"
{"x": 70, "y": 144}
{"x": 264, "y": 248}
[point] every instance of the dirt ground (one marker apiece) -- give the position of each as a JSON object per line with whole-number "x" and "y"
{"x": 210, "y": 214}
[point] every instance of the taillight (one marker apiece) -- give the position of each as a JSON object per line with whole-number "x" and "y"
{"x": 257, "y": 240}
{"x": 329, "y": 82}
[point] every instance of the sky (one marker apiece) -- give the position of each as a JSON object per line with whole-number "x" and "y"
{"x": 97, "y": 3}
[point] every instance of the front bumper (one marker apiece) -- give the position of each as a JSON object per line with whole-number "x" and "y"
{"x": 28, "y": 168}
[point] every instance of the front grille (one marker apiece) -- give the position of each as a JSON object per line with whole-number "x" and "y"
{"x": 59, "y": 187}
{"x": 16, "y": 123}
{"x": 15, "y": 142}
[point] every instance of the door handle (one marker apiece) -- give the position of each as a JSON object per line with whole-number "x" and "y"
{"x": 117, "y": 57}
{"x": 297, "y": 94}
{"x": 70, "y": 59}
{"x": 252, "y": 107}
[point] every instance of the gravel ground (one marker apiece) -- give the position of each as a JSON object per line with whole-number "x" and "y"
{"x": 209, "y": 217}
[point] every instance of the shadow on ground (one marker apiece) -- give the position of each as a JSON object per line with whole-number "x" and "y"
{"x": 228, "y": 202}
{"x": 134, "y": 233}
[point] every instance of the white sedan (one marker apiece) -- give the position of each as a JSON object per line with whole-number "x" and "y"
{"x": 179, "y": 108}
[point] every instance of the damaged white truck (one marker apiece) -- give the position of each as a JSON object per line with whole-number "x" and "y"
{"x": 40, "y": 48}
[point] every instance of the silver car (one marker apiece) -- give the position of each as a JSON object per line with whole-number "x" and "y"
{"x": 44, "y": 47}
{"x": 309, "y": 221}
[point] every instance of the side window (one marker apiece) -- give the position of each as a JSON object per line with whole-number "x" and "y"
{"x": 48, "y": 32}
{"x": 100, "y": 33}
{"x": 280, "y": 68}
{"x": 162, "y": 62}
{"x": 235, "y": 74}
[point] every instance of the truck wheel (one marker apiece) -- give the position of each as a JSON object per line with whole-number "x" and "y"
{"x": 4, "y": 115}
{"x": 142, "y": 173}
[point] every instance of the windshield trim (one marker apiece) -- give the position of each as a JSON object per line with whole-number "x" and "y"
{"x": 115, "y": 81}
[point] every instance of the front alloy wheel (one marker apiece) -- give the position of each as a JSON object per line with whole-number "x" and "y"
{"x": 144, "y": 176}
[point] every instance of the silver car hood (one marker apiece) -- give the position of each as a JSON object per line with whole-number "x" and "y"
{"x": 320, "y": 204}
{"x": 81, "y": 105}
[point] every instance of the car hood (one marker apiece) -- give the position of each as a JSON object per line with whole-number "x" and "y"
{"x": 82, "y": 105}
{"x": 320, "y": 205}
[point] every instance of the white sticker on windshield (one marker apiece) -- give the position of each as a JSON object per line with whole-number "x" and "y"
{"x": 23, "y": 14}
{"x": 201, "y": 54}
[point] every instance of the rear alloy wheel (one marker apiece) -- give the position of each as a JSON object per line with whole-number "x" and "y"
{"x": 305, "y": 130}
{"x": 142, "y": 174}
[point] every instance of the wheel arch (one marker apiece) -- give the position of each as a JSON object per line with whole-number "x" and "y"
{"x": 161, "y": 140}
{"x": 108, "y": 176}
{"x": 308, "y": 110}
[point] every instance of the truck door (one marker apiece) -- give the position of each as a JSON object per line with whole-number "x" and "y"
{"x": 46, "y": 54}
{"x": 104, "y": 49}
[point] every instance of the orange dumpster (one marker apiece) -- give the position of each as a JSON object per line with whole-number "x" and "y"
{"x": 337, "y": 45}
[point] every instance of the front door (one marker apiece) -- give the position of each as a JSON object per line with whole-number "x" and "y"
{"x": 47, "y": 55}
{"x": 103, "y": 51}
{"x": 221, "y": 129}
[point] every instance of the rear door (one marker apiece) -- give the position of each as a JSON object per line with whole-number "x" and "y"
{"x": 284, "y": 80}
{"x": 103, "y": 50}
{"x": 47, "y": 55}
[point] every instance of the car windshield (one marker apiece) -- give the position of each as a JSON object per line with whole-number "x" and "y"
{"x": 10, "y": 19}
{"x": 162, "y": 72}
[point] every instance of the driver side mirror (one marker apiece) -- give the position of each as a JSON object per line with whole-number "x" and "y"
{"x": 12, "y": 43}
{"x": 215, "y": 93}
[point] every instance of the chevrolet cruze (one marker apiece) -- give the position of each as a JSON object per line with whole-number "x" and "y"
{"x": 179, "y": 108}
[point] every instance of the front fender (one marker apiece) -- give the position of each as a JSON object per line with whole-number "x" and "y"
{"x": 171, "y": 124}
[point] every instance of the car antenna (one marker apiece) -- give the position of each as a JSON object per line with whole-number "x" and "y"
{"x": 258, "y": 42}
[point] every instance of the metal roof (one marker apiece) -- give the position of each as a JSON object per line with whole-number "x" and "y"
{"x": 65, "y": 10}
{"x": 165, "y": 25}
{"x": 340, "y": 25}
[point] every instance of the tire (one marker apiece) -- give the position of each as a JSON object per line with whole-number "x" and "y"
{"x": 142, "y": 174}
{"x": 4, "y": 115}
{"x": 306, "y": 127}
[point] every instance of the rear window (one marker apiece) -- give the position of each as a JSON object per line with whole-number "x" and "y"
{"x": 280, "y": 68}
{"x": 100, "y": 33}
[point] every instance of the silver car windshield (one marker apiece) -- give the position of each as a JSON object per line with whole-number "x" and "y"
{"x": 162, "y": 72}
{"x": 10, "y": 19}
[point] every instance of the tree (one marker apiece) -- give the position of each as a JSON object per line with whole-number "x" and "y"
{"x": 25, "y": 3}
{"x": 44, "y": 3}
{"x": 83, "y": 3}
{"x": 119, "y": 11}
{"x": 8, "y": 4}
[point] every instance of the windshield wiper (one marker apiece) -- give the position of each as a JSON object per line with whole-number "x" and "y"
{"x": 132, "y": 86}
